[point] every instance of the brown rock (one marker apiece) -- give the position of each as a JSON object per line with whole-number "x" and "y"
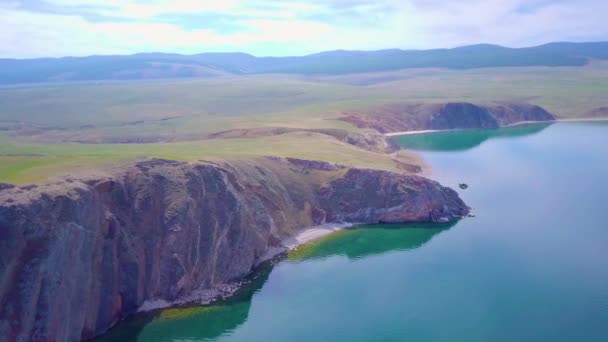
{"x": 76, "y": 257}
{"x": 453, "y": 115}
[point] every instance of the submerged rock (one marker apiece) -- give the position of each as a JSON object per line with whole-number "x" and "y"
{"x": 76, "y": 257}
{"x": 463, "y": 186}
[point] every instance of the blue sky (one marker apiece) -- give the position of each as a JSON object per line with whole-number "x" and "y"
{"x": 41, "y": 28}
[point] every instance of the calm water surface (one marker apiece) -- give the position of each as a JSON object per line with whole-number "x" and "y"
{"x": 531, "y": 266}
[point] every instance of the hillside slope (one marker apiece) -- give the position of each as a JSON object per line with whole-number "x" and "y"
{"x": 163, "y": 65}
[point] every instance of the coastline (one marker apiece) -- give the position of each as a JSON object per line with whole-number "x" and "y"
{"x": 418, "y": 132}
{"x": 582, "y": 120}
{"x": 313, "y": 233}
{"x": 521, "y": 123}
{"x": 223, "y": 291}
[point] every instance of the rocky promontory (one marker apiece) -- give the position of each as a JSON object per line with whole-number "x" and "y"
{"x": 76, "y": 256}
{"x": 443, "y": 116}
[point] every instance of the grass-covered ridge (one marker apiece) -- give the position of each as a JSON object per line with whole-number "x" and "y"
{"x": 162, "y": 65}
{"x": 23, "y": 162}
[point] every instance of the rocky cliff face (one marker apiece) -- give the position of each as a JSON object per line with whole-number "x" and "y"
{"x": 459, "y": 115}
{"x": 78, "y": 255}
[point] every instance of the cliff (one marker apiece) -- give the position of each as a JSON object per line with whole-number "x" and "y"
{"x": 457, "y": 115}
{"x": 76, "y": 256}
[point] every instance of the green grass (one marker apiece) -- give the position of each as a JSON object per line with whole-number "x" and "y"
{"x": 209, "y": 105}
{"x": 38, "y": 120}
{"x": 24, "y": 162}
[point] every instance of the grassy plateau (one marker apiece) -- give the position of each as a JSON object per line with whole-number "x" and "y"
{"x": 50, "y": 130}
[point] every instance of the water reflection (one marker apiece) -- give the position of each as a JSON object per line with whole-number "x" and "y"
{"x": 464, "y": 140}
{"x": 204, "y": 323}
{"x": 531, "y": 266}
{"x": 197, "y": 323}
{"x": 370, "y": 240}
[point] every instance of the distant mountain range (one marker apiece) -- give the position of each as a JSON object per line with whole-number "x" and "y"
{"x": 164, "y": 65}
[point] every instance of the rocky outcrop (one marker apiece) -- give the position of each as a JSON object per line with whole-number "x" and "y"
{"x": 4, "y": 186}
{"x": 512, "y": 113}
{"x": 372, "y": 141}
{"x": 457, "y": 115}
{"x": 77, "y": 256}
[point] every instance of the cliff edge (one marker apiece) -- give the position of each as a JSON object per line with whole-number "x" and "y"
{"x": 76, "y": 256}
{"x": 443, "y": 116}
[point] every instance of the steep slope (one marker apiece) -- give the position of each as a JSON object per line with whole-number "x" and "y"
{"x": 78, "y": 255}
{"x": 454, "y": 115}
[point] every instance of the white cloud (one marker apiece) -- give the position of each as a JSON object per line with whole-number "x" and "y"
{"x": 294, "y": 27}
{"x": 441, "y": 23}
{"x": 58, "y": 35}
{"x": 138, "y": 10}
{"x": 150, "y": 9}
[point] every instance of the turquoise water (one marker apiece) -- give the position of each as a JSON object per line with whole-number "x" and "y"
{"x": 531, "y": 266}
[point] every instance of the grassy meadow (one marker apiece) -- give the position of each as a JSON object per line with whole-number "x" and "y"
{"x": 24, "y": 162}
{"x": 54, "y": 129}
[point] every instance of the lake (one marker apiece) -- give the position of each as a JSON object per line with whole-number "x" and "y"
{"x": 532, "y": 265}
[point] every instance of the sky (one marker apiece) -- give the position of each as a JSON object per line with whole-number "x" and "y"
{"x": 55, "y": 28}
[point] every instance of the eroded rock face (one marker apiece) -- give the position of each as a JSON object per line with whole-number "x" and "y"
{"x": 508, "y": 114}
{"x": 380, "y": 197}
{"x": 75, "y": 257}
{"x": 457, "y": 115}
{"x": 4, "y": 186}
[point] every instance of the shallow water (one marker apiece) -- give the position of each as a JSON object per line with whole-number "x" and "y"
{"x": 531, "y": 266}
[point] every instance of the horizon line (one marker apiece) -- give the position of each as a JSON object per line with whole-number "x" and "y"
{"x": 306, "y": 55}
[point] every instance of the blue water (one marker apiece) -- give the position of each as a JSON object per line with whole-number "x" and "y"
{"x": 531, "y": 266}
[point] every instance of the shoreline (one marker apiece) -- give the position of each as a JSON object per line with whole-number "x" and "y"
{"x": 314, "y": 233}
{"x": 521, "y": 123}
{"x": 222, "y": 291}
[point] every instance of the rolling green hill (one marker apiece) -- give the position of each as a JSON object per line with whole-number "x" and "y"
{"x": 52, "y": 129}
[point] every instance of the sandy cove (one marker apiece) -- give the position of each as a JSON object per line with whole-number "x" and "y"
{"x": 314, "y": 233}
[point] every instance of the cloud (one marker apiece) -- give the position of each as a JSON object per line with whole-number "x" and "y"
{"x": 34, "y": 28}
{"x": 147, "y": 10}
{"x": 57, "y": 35}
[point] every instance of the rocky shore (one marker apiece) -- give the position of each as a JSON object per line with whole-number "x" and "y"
{"x": 78, "y": 255}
